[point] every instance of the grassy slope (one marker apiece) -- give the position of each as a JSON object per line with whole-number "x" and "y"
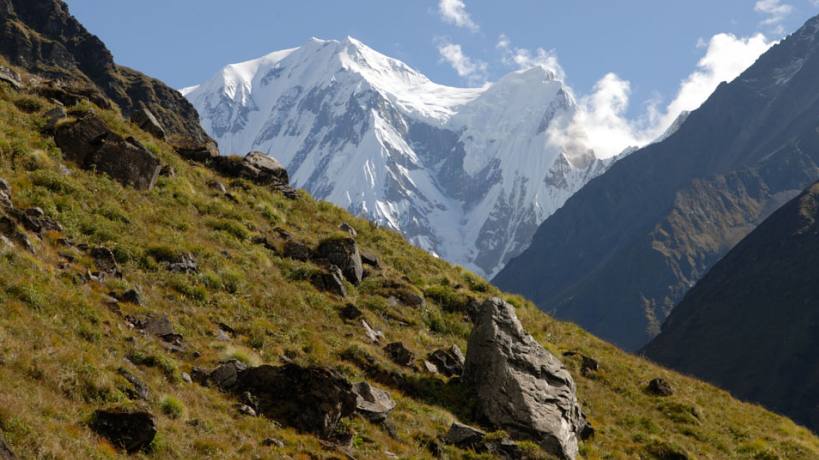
{"x": 60, "y": 346}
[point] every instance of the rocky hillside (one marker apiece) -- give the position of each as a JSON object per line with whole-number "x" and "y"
{"x": 759, "y": 306}
{"x": 625, "y": 249}
{"x": 162, "y": 306}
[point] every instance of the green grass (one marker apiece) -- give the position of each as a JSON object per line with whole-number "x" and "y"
{"x": 63, "y": 346}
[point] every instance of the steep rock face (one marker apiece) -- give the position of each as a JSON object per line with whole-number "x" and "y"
{"x": 751, "y": 325}
{"x": 42, "y": 37}
{"x": 520, "y": 387}
{"x": 624, "y": 250}
{"x": 467, "y": 173}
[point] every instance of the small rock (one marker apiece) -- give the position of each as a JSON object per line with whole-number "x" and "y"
{"x": 167, "y": 171}
{"x": 53, "y": 117}
{"x": 186, "y": 377}
{"x": 399, "y": 354}
{"x": 660, "y": 387}
{"x": 370, "y": 259}
{"x": 350, "y": 312}
{"x": 226, "y": 375}
{"x": 464, "y": 436}
{"x": 146, "y": 120}
{"x": 131, "y": 296}
{"x": 273, "y": 442}
{"x": 297, "y": 251}
{"x": 247, "y": 410}
{"x": 132, "y": 431}
{"x": 588, "y": 366}
{"x": 184, "y": 264}
{"x": 429, "y": 367}
{"x": 218, "y": 186}
{"x": 105, "y": 260}
{"x": 139, "y": 390}
{"x": 345, "y": 227}
{"x": 373, "y": 335}
{"x": 449, "y": 362}
{"x": 9, "y": 76}
{"x": 372, "y": 402}
{"x": 343, "y": 253}
{"x": 157, "y": 325}
{"x": 329, "y": 281}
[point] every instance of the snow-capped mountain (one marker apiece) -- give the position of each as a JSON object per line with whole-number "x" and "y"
{"x": 467, "y": 173}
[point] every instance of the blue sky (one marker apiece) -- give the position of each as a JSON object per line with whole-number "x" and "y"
{"x": 652, "y": 45}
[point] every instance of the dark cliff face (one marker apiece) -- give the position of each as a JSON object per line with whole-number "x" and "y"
{"x": 752, "y": 324}
{"x": 42, "y": 37}
{"x": 625, "y": 249}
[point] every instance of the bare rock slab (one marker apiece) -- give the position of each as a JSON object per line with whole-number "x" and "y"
{"x": 520, "y": 386}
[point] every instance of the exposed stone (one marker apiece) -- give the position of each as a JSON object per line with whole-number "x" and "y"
{"x": 660, "y": 387}
{"x": 223, "y": 377}
{"x": 297, "y": 251}
{"x": 218, "y": 186}
{"x": 146, "y": 120}
{"x": 138, "y": 389}
{"x": 90, "y": 144}
{"x": 105, "y": 260}
{"x": 157, "y": 325}
{"x": 464, "y": 436}
{"x": 372, "y": 402}
{"x": 273, "y": 442}
{"x": 449, "y": 362}
{"x": 311, "y": 399}
{"x": 35, "y": 220}
{"x": 244, "y": 409}
{"x": 344, "y": 253}
{"x": 588, "y": 366}
{"x": 199, "y": 152}
{"x": 373, "y": 335}
{"x": 345, "y": 227}
{"x": 185, "y": 263}
{"x": 329, "y": 281}
{"x": 429, "y": 367}
{"x": 409, "y": 298}
{"x": 12, "y": 232}
{"x": 399, "y": 354}
{"x": 518, "y": 385}
{"x": 370, "y": 259}
{"x": 257, "y": 167}
{"x": 9, "y": 76}
{"x": 53, "y": 117}
{"x": 131, "y": 431}
{"x": 131, "y": 296}
{"x": 350, "y": 312}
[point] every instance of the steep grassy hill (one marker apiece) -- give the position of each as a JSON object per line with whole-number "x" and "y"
{"x": 759, "y": 307}
{"x": 63, "y": 342}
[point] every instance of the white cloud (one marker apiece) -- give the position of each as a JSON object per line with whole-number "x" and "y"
{"x": 454, "y": 12}
{"x": 601, "y": 122}
{"x": 523, "y": 58}
{"x": 472, "y": 69}
{"x": 775, "y": 12}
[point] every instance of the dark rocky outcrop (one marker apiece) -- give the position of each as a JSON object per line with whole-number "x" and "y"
{"x": 105, "y": 261}
{"x": 42, "y": 37}
{"x": 449, "y": 362}
{"x": 90, "y": 144}
{"x": 297, "y": 251}
{"x": 329, "y": 281}
{"x": 343, "y": 253}
{"x": 751, "y": 325}
{"x": 256, "y": 167}
{"x": 146, "y": 120}
{"x": 623, "y": 251}
{"x": 350, "y": 312}
{"x": 10, "y": 77}
{"x": 659, "y": 387}
{"x": 519, "y": 386}
{"x": 399, "y": 354}
{"x": 131, "y": 431}
{"x": 373, "y": 403}
{"x": 311, "y": 399}
{"x": 224, "y": 377}
{"x": 138, "y": 389}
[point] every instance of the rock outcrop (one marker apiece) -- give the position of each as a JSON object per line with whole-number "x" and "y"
{"x": 311, "y": 399}
{"x": 373, "y": 403}
{"x": 256, "y": 167}
{"x": 449, "y": 362}
{"x": 519, "y": 386}
{"x": 91, "y": 145}
{"x": 343, "y": 253}
{"x": 131, "y": 431}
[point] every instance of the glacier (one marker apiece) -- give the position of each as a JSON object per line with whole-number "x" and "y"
{"x": 465, "y": 173}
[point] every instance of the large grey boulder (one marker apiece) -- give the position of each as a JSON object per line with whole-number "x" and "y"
{"x": 519, "y": 386}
